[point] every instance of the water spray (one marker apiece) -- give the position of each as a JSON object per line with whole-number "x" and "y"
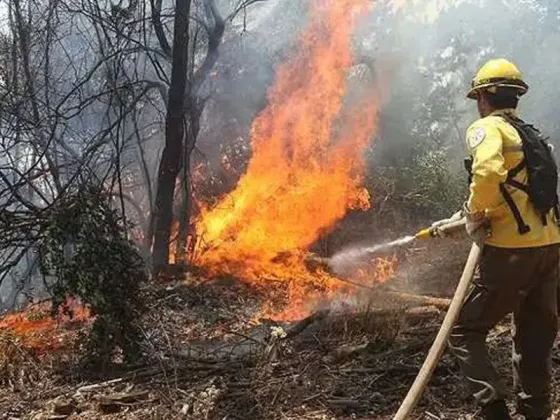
{"x": 342, "y": 261}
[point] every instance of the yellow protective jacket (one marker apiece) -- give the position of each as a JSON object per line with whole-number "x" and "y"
{"x": 495, "y": 147}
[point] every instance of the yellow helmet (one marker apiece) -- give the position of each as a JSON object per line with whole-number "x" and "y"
{"x": 498, "y": 73}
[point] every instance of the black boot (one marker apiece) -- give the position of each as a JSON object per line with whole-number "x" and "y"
{"x": 496, "y": 411}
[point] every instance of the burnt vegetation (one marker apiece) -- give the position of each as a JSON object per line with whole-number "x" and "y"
{"x": 121, "y": 122}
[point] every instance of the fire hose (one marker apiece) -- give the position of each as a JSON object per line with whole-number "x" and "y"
{"x": 438, "y": 346}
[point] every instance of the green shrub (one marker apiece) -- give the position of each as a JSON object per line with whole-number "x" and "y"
{"x": 434, "y": 188}
{"x": 418, "y": 189}
{"x": 85, "y": 247}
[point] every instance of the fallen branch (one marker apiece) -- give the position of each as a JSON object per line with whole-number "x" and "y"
{"x": 113, "y": 403}
{"x": 346, "y": 351}
{"x": 94, "y": 387}
{"x": 246, "y": 337}
{"x": 440, "y": 303}
{"x": 407, "y": 349}
{"x": 306, "y": 322}
{"x": 130, "y": 398}
{"x": 422, "y": 311}
{"x": 346, "y": 403}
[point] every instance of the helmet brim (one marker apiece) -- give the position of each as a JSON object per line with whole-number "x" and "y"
{"x": 521, "y": 89}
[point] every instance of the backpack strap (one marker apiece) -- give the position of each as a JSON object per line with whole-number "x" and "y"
{"x": 544, "y": 220}
{"x": 522, "y": 228}
{"x": 512, "y": 173}
{"x": 468, "y": 163}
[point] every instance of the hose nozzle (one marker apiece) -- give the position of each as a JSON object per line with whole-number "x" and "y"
{"x": 425, "y": 234}
{"x": 442, "y": 230}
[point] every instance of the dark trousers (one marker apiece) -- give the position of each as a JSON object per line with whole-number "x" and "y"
{"x": 523, "y": 282}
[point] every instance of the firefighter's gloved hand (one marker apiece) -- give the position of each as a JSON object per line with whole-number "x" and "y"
{"x": 478, "y": 226}
{"x": 436, "y": 226}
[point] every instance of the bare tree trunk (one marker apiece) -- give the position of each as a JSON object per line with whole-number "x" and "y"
{"x": 171, "y": 158}
{"x": 145, "y": 172}
{"x": 185, "y": 212}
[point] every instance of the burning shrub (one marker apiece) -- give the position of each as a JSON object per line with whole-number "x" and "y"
{"x": 86, "y": 249}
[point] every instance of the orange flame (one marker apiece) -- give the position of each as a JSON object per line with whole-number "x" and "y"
{"x": 306, "y": 167}
{"x": 37, "y": 330}
{"x": 378, "y": 271}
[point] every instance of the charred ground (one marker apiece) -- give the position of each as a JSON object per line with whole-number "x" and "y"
{"x": 205, "y": 359}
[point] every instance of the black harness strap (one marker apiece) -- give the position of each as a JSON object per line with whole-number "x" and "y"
{"x": 525, "y": 189}
{"x": 518, "y": 185}
{"x": 544, "y": 220}
{"x": 512, "y": 173}
{"x": 468, "y": 163}
{"x": 521, "y": 226}
{"x": 557, "y": 214}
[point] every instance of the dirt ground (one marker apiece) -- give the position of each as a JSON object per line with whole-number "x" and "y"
{"x": 204, "y": 359}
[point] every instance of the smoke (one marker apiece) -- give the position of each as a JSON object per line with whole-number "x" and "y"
{"x": 470, "y": 32}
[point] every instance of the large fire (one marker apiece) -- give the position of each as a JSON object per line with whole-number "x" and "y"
{"x": 306, "y": 169}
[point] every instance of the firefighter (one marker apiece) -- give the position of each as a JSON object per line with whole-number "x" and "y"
{"x": 518, "y": 272}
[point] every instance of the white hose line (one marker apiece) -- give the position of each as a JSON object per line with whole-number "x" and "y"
{"x": 440, "y": 341}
